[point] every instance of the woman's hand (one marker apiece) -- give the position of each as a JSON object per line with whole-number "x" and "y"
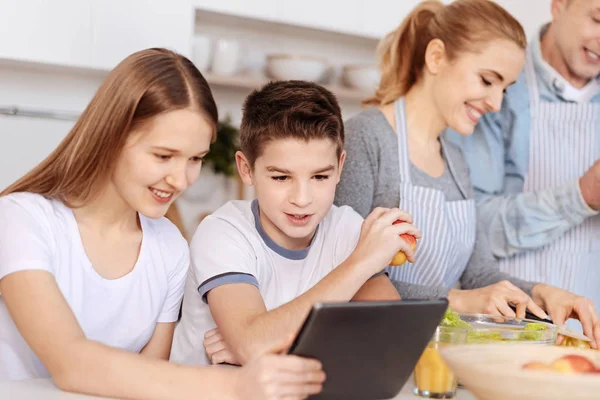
{"x": 495, "y": 300}
{"x": 562, "y": 305}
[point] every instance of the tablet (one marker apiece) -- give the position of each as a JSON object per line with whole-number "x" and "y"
{"x": 368, "y": 349}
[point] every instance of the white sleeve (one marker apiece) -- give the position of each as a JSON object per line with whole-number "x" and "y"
{"x": 349, "y": 229}
{"x": 26, "y": 239}
{"x": 221, "y": 254}
{"x": 348, "y": 233}
{"x": 176, "y": 278}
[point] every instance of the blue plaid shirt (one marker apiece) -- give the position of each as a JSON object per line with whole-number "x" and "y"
{"x": 498, "y": 157}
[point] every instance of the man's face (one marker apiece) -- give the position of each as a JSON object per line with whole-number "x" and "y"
{"x": 577, "y": 35}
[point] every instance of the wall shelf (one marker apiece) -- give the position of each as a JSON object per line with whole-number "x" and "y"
{"x": 260, "y": 37}
{"x": 248, "y": 83}
{"x": 272, "y": 27}
{"x": 61, "y": 69}
{"x": 237, "y": 82}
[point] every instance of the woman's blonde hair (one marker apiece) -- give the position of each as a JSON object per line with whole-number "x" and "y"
{"x": 144, "y": 85}
{"x": 462, "y": 25}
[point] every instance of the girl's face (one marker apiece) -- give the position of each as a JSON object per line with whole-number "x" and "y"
{"x": 474, "y": 82}
{"x": 161, "y": 159}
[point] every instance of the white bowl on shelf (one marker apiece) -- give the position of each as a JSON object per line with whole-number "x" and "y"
{"x": 202, "y": 54}
{"x": 226, "y": 57}
{"x": 362, "y": 77}
{"x": 296, "y": 67}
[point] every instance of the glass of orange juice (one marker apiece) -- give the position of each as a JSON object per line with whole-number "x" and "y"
{"x": 433, "y": 378}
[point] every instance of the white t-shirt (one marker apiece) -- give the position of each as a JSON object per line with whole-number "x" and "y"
{"x": 230, "y": 246}
{"x": 37, "y": 233}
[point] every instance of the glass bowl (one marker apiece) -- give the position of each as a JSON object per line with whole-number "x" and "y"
{"x": 500, "y": 329}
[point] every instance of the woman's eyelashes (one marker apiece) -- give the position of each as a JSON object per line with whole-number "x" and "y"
{"x": 488, "y": 83}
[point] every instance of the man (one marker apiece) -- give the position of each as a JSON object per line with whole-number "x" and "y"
{"x": 540, "y": 196}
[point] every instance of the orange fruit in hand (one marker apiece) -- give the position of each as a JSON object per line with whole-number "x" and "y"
{"x": 400, "y": 257}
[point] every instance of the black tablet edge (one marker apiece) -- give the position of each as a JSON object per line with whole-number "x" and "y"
{"x": 304, "y": 326}
{"x": 320, "y": 305}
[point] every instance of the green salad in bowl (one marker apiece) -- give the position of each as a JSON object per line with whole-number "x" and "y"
{"x": 495, "y": 328}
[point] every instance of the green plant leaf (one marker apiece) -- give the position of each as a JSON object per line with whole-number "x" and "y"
{"x": 221, "y": 157}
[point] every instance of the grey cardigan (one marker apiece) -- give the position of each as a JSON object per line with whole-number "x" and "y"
{"x": 370, "y": 179}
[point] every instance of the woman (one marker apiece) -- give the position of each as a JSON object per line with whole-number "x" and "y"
{"x": 91, "y": 274}
{"x": 445, "y": 66}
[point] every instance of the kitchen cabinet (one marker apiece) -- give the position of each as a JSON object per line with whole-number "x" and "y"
{"x": 531, "y": 13}
{"x": 121, "y": 27}
{"x": 24, "y": 143}
{"x": 330, "y": 15}
{"x": 339, "y": 16}
{"x": 383, "y": 16}
{"x": 54, "y": 32}
{"x": 260, "y": 9}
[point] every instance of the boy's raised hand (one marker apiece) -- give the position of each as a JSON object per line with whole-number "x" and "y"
{"x": 380, "y": 238}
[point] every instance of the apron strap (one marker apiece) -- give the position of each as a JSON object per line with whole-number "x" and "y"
{"x": 452, "y": 168}
{"x": 401, "y": 134}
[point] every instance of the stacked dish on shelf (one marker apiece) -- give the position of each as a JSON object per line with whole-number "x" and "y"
{"x": 364, "y": 77}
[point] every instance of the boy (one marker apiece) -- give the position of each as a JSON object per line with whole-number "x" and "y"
{"x": 259, "y": 266}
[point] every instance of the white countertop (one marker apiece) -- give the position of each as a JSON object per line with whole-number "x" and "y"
{"x": 44, "y": 389}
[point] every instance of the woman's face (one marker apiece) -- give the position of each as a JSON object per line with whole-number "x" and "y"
{"x": 161, "y": 159}
{"x": 473, "y": 83}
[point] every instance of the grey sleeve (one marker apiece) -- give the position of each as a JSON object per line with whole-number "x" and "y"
{"x": 224, "y": 279}
{"x": 410, "y": 291}
{"x": 357, "y": 184}
{"x": 370, "y": 177}
{"x": 482, "y": 269}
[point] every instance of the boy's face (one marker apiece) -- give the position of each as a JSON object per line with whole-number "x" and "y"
{"x": 294, "y": 182}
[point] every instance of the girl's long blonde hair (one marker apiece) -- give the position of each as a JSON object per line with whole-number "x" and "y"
{"x": 145, "y": 84}
{"x": 462, "y": 25}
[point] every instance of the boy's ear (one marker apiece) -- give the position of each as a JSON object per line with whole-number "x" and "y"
{"x": 243, "y": 167}
{"x": 341, "y": 165}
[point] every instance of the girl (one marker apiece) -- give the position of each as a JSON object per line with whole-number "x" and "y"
{"x": 90, "y": 271}
{"x": 445, "y": 66}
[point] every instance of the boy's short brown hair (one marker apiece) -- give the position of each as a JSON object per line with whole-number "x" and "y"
{"x": 289, "y": 109}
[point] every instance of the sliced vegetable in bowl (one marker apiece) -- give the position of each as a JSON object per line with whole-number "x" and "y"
{"x": 577, "y": 343}
{"x": 452, "y": 319}
{"x": 495, "y": 328}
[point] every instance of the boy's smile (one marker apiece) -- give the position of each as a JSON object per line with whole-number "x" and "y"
{"x": 294, "y": 182}
{"x": 299, "y": 219}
